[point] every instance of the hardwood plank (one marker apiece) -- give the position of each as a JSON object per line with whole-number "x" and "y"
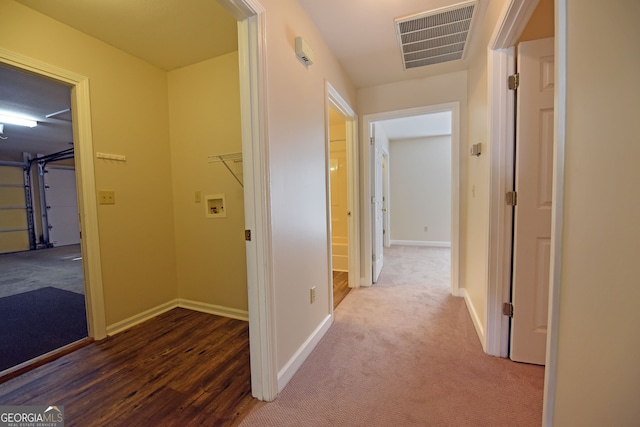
{"x": 180, "y": 368}
{"x": 340, "y": 287}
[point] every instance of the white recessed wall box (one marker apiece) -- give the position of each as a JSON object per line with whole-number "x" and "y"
{"x": 304, "y": 52}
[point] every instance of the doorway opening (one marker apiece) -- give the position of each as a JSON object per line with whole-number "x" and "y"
{"x": 406, "y": 141}
{"x": 338, "y": 205}
{"x": 342, "y": 196}
{"x": 42, "y": 293}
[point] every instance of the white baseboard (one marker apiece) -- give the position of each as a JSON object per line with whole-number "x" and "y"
{"x": 292, "y": 366}
{"x": 477, "y": 323}
{"x": 141, "y": 317}
{"x": 421, "y": 243}
{"x": 218, "y": 310}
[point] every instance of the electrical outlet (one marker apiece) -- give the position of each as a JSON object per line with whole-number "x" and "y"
{"x": 312, "y": 294}
{"x": 107, "y": 197}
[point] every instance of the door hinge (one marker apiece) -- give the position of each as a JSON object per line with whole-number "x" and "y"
{"x": 507, "y": 309}
{"x": 512, "y": 198}
{"x": 373, "y": 200}
{"x": 247, "y": 235}
{"x": 372, "y": 140}
{"x": 514, "y": 81}
{"x": 373, "y": 258}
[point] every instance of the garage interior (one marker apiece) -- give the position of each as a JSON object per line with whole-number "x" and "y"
{"x": 42, "y": 284}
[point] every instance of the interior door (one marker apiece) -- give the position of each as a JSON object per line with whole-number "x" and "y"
{"x": 377, "y": 242}
{"x": 62, "y": 206}
{"x": 532, "y": 214}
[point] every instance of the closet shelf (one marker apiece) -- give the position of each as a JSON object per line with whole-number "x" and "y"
{"x": 224, "y": 158}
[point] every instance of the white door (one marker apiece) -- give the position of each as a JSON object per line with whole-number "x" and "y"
{"x": 62, "y": 206}
{"x": 376, "y": 206}
{"x": 532, "y": 215}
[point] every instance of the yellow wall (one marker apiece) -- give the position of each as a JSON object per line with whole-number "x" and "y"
{"x": 129, "y": 107}
{"x": 598, "y": 373}
{"x": 204, "y": 106}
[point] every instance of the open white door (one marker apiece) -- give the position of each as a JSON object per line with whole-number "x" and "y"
{"x": 532, "y": 215}
{"x": 376, "y": 206}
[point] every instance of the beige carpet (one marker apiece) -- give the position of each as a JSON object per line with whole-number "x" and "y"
{"x": 405, "y": 353}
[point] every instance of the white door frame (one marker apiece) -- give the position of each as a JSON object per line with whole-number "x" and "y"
{"x": 501, "y": 59}
{"x": 85, "y": 181}
{"x": 253, "y": 103}
{"x": 336, "y": 101}
{"x": 365, "y": 200}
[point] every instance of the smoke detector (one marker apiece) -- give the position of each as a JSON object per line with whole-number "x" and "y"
{"x": 436, "y": 36}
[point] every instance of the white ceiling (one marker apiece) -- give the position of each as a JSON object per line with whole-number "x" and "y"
{"x": 174, "y": 33}
{"x": 361, "y": 33}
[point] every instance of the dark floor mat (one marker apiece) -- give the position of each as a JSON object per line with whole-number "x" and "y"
{"x": 36, "y": 322}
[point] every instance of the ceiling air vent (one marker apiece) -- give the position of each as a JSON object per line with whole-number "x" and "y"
{"x": 436, "y": 36}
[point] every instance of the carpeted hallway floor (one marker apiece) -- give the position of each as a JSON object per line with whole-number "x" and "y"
{"x": 404, "y": 353}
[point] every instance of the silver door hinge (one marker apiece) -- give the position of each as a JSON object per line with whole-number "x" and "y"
{"x": 512, "y": 198}
{"x": 372, "y": 140}
{"x": 507, "y": 309}
{"x": 373, "y": 200}
{"x": 514, "y": 81}
{"x": 247, "y": 235}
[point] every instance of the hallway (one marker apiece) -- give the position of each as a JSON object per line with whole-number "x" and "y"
{"x": 404, "y": 352}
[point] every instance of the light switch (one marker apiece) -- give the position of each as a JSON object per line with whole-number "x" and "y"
{"x": 198, "y": 197}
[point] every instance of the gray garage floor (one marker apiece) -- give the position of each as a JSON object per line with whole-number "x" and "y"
{"x": 59, "y": 267}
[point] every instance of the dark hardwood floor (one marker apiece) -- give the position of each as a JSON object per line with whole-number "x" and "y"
{"x": 180, "y": 368}
{"x": 340, "y": 287}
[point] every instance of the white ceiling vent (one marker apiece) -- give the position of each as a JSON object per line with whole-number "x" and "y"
{"x": 436, "y": 36}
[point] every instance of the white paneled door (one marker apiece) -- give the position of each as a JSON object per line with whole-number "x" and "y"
{"x": 377, "y": 242}
{"x": 532, "y": 217}
{"x": 62, "y": 206}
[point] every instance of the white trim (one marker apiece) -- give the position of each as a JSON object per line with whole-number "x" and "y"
{"x": 296, "y": 361}
{"x": 87, "y": 204}
{"x": 218, "y": 310}
{"x": 253, "y": 104}
{"x": 557, "y": 213}
{"x": 514, "y": 18}
{"x": 477, "y": 323}
{"x": 365, "y": 254}
{"x": 141, "y": 317}
{"x": 500, "y": 64}
{"x": 432, "y": 244}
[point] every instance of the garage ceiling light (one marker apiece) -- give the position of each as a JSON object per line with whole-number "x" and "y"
{"x": 10, "y": 120}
